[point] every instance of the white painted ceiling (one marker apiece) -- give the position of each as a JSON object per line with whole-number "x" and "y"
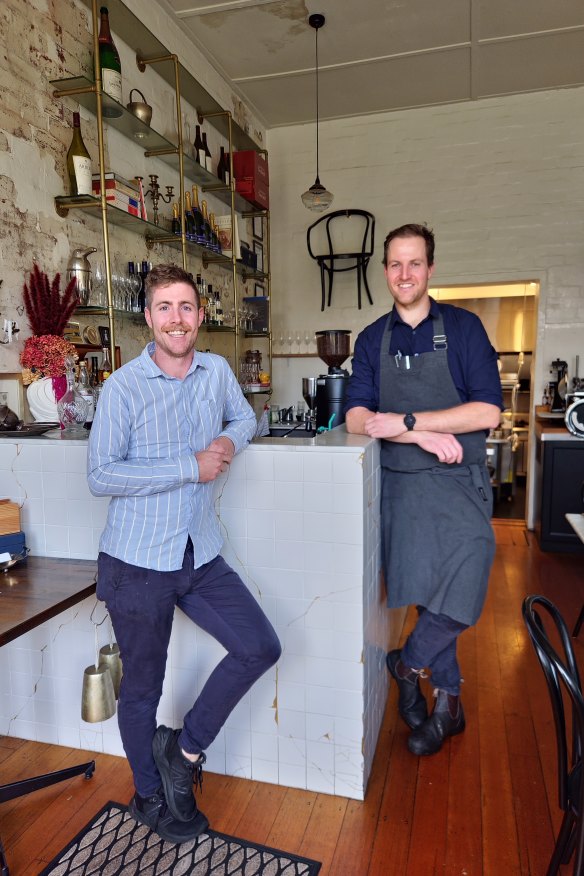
{"x": 379, "y": 55}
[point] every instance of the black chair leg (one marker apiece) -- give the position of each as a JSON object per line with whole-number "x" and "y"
{"x": 322, "y": 286}
{"x": 330, "y": 290}
{"x": 365, "y": 263}
{"x": 359, "y": 284}
{"x": 579, "y": 622}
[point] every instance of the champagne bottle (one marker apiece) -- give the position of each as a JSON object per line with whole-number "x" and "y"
{"x": 175, "y": 225}
{"x": 78, "y": 162}
{"x": 214, "y": 236}
{"x": 206, "y": 226}
{"x": 208, "y": 160}
{"x": 190, "y": 229}
{"x": 111, "y": 69}
{"x": 199, "y": 148}
{"x": 198, "y": 217}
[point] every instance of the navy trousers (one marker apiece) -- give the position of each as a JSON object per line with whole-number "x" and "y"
{"x": 432, "y": 645}
{"x": 141, "y": 604}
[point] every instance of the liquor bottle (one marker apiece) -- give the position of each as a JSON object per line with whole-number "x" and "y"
{"x": 198, "y": 217}
{"x": 78, "y": 162}
{"x": 111, "y": 69}
{"x": 199, "y": 148}
{"x": 106, "y": 366}
{"x": 218, "y": 308}
{"x": 175, "y": 224}
{"x": 206, "y": 226}
{"x": 84, "y": 388}
{"x": 190, "y": 229}
{"x": 72, "y": 407}
{"x": 94, "y": 375}
{"x": 208, "y": 160}
{"x": 212, "y": 306}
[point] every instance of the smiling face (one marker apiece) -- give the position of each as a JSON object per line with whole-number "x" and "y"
{"x": 407, "y": 273}
{"x": 174, "y": 317}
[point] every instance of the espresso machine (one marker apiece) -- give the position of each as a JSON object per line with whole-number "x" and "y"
{"x": 557, "y": 387}
{"x": 333, "y": 347}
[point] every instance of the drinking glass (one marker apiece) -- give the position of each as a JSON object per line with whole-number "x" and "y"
{"x": 298, "y": 339}
{"x": 308, "y": 339}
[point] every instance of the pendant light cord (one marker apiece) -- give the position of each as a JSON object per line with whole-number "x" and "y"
{"x": 317, "y": 173}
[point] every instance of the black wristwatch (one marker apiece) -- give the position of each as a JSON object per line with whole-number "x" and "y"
{"x": 409, "y": 422}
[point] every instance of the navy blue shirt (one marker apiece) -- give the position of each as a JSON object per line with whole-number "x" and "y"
{"x": 472, "y": 359}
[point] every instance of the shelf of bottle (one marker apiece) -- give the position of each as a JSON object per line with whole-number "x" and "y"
{"x": 153, "y": 144}
{"x": 226, "y": 329}
{"x": 134, "y": 32}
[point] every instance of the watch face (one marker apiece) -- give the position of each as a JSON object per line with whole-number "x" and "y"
{"x": 409, "y": 422}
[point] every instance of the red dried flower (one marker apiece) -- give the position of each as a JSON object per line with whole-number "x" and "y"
{"x": 47, "y": 310}
{"x": 45, "y": 356}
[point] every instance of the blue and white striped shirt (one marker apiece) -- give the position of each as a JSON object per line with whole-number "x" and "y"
{"x": 146, "y": 431}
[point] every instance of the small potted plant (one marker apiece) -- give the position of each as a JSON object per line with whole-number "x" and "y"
{"x": 45, "y": 353}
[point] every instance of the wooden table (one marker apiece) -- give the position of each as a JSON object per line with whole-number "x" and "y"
{"x": 31, "y": 593}
{"x": 576, "y": 521}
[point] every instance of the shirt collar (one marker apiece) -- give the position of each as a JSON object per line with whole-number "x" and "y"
{"x": 152, "y": 370}
{"x": 433, "y": 313}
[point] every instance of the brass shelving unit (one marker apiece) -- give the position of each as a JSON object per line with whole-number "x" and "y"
{"x": 151, "y": 52}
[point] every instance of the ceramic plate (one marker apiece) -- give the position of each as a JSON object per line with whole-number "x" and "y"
{"x": 29, "y": 430}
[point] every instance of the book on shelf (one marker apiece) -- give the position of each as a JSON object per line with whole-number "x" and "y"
{"x": 129, "y": 205}
{"x": 113, "y": 182}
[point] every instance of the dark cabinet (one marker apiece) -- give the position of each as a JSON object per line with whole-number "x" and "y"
{"x": 561, "y": 494}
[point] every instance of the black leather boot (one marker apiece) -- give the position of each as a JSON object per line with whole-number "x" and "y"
{"x": 412, "y": 703}
{"x": 446, "y": 720}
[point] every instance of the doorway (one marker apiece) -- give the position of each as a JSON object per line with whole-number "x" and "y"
{"x": 508, "y": 312}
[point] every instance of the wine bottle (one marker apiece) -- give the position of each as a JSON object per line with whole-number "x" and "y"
{"x": 78, "y": 162}
{"x": 199, "y": 148}
{"x": 111, "y": 68}
{"x": 208, "y": 160}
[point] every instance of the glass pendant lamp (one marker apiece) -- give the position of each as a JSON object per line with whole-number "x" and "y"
{"x": 317, "y": 198}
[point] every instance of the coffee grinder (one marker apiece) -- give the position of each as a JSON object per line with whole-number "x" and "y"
{"x": 333, "y": 347}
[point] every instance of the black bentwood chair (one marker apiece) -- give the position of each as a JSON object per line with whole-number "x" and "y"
{"x": 562, "y": 677}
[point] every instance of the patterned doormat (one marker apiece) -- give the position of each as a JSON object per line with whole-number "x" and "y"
{"x": 113, "y": 844}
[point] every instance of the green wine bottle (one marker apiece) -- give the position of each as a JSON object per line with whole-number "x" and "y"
{"x": 78, "y": 162}
{"x": 111, "y": 68}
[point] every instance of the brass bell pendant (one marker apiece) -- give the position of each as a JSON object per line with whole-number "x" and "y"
{"x": 98, "y": 701}
{"x": 109, "y": 656}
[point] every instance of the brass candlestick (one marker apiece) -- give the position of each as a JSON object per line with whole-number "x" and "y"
{"x": 156, "y": 195}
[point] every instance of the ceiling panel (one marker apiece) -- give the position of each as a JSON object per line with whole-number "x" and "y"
{"x": 440, "y": 77}
{"x": 381, "y": 55}
{"x": 499, "y": 18}
{"x": 530, "y": 64}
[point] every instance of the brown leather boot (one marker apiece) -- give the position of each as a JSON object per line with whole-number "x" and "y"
{"x": 412, "y": 702}
{"x": 446, "y": 720}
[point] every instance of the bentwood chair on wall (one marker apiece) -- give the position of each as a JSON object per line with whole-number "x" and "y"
{"x": 352, "y": 252}
{"x": 565, "y": 690}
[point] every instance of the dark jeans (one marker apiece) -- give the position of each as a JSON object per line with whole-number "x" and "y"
{"x": 141, "y": 604}
{"x": 432, "y": 645}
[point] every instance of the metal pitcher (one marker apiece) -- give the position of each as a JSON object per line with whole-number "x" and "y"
{"x": 79, "y": 267}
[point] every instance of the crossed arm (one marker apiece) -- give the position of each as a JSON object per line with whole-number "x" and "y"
{"x": 435, "y": 431}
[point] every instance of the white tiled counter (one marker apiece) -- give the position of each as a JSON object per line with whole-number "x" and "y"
{"x": 300, "y": 519}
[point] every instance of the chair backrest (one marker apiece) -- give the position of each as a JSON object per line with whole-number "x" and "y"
{"x": 358, "y": 238}
{"x": 562, "y": 676}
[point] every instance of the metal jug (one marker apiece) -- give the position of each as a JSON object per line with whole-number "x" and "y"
{"x": 79, "y": 267}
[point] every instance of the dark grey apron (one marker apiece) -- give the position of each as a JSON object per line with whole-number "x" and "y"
{"x": 438, "y": 542}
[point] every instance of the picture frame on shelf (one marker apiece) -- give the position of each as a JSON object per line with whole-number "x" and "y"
{"x": 258, "y": 227}
{"x": 258, "y": 290}
{"x": 258, "y": 249}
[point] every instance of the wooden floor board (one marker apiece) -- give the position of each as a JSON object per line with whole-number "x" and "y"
{"x": 485, "y": 805}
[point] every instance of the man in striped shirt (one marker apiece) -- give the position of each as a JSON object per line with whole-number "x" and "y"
{"x": 167, "y": 425}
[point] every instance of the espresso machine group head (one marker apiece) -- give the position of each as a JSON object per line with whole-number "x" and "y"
{"x": 333, "y": 347}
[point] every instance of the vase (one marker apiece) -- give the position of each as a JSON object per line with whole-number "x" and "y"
{"x": 42, "y": 401}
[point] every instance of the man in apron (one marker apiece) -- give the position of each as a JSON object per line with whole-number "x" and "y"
{"x": 425, "y": 381}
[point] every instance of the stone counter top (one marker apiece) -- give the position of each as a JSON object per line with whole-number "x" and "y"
{"x": 545, "y": 430}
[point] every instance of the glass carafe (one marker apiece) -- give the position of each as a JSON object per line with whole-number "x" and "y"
{"x": 72, "y": 408}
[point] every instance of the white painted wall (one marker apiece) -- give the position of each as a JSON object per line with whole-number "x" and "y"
{"x": 500, "y": 181}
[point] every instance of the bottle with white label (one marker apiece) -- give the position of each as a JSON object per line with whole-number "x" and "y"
{"x": 78, "y": 162}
